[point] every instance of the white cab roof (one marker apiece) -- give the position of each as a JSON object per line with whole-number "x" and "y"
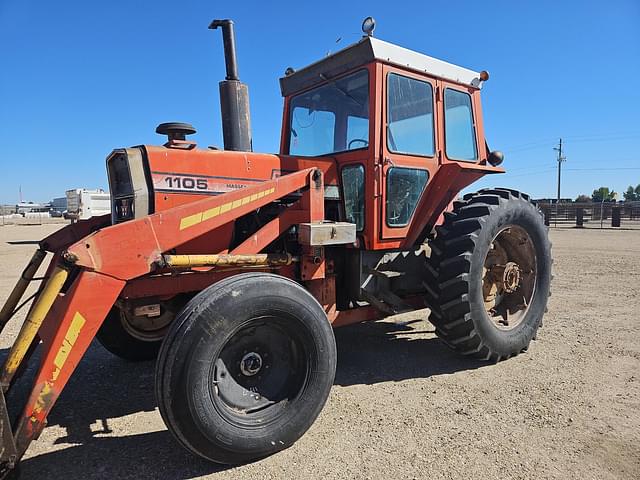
{"x": 367, "y": 50}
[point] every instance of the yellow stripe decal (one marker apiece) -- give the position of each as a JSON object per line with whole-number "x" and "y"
{"x": 60, "y": 359}
{"x": 225, "y": 208}
{"x": 67, "y": 344}
{"x": 200, "y": 217}
{"x": 212, "y": 212}
{"x": 190, "y": 221}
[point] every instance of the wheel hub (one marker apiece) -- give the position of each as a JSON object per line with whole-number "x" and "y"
{"x": 147, "y": 328}
{"x": 251, "y": 364}
{"x": 511, "y": 277}
{"x": 259, "y": 370}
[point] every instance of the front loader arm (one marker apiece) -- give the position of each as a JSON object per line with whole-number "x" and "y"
{"x": 70, "y": 234}
{"x": 88, "y": 274}
{"x": 132, "y": 249}
{"x": 55, "y": 243}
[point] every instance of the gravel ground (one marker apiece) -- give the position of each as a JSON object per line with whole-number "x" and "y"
{"x": 403, "y": 405}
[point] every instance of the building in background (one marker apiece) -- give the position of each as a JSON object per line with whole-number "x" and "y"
{"x": 24, "y": 208}
{"x": 58, "y": 207}
{"x": 83, "y": 203}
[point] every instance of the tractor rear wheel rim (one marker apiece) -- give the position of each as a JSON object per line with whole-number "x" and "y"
{"x": 259, "y": 371}
{"x": 509, "y": 277}
{"x": 147, "y": 329}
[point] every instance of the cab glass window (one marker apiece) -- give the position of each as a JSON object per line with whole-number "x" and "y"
{"x": 313, "y": 132}
{"x": 409, "y": 116}
{"x": 460, "y": 135}
{"x": 353, "y": 186}
{"x": 404, "y": 187}
{"x": 333, "y": 117}
{"x": 357, "y": 132}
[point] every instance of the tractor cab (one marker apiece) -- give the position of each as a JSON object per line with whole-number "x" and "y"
{"x": 389, "y": 117}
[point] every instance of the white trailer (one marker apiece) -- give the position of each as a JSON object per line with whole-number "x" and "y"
{"x": 83, "y": 203}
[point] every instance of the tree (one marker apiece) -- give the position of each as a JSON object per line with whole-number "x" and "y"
{"x": 582, "y": 198}
{"x": 603, "y": 194}
{"x": 632, "y": 194}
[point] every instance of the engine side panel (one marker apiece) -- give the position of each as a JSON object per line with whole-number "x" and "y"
{"x": 180, "y": 176}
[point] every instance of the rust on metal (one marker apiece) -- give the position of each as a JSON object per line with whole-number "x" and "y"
{"x": 262, "y": 259}
{"x": 62, "y": 351}
{"x": 509, "y": 277}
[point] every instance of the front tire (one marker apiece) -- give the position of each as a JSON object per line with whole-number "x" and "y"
{"x": 246, "y": 368}
{"x": 490, "y": 274}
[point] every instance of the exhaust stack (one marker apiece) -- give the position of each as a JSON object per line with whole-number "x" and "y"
{"x": 234, "y": 95}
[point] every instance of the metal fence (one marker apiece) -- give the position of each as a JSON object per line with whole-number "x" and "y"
{"x": 592, "y": 215}
{"x": 31, "y": 218}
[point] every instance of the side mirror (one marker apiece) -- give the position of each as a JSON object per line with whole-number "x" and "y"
{"x": 495, "y": 158}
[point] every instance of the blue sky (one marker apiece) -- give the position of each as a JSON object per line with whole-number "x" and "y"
{"x": 79, "y": 78}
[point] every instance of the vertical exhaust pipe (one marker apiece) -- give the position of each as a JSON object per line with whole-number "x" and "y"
{"x": 234, "y": 95}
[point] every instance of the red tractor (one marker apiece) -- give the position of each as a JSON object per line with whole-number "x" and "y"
{"x": 232, "y": 267}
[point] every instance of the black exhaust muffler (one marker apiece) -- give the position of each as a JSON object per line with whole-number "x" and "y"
{"x": 234, "y": 95}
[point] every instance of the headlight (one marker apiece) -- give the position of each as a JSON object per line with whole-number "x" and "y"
{"x": 128, "y": 185}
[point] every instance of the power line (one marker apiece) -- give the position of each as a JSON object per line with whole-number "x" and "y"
{"x": 549, "y": 169}
{"x": 524, "y": 148}
{"x": 605, "y": 137}
{"x": 609, "y": 139}
{"x": 602, "y": 169}
{"x": 539, "y": 172}
{"x": 536, "y": 166}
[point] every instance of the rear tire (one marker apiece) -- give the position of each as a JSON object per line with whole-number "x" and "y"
{"x": 246, "y": 368}
{"x": 137, "y": 339}
{"x": 489, "y": 274}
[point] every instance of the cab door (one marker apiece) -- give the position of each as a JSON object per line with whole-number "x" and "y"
{"x": 409, "y": 148}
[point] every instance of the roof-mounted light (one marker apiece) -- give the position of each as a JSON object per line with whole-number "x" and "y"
{"x": 368, "y": 26}
{"x": 484, "y": 75}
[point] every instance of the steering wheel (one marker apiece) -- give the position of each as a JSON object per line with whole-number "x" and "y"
{"x": 361, "y": 140}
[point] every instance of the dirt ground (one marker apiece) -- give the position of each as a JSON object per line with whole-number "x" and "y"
{"x": 403, "y": 405}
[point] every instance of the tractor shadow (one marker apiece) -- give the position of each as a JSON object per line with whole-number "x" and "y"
{"x": 145, "y": 456}
{"x": 24, "y": 242}
{"x": 105, "y": 387}
{"x": 102, "y": 388}
{"x": 388, "y": 351}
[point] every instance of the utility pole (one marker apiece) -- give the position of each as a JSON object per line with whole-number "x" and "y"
{"x": 561, "y": 159}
